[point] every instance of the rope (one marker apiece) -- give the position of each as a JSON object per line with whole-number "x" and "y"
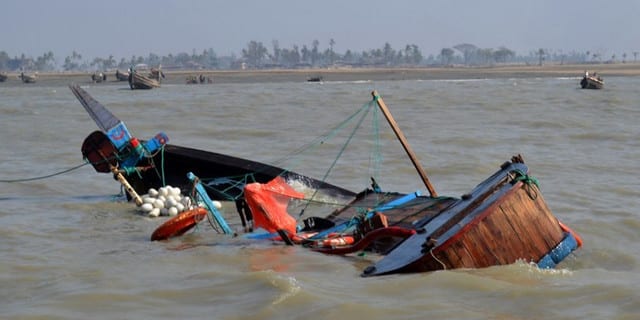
{"x": 444, "y": 267}
{"x": 344, "y": 147}
{"x": 529, "y": 181}
{"x": 324, "y": 137}
{"x": 45, "y": 176}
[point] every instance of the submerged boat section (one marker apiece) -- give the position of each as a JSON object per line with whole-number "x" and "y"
{"x": 503, "y": 220}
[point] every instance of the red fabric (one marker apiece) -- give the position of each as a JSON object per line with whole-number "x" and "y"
{"x": 268, "y": 203}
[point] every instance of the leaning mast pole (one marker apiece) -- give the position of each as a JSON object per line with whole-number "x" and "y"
{"x": 405, "y": 144}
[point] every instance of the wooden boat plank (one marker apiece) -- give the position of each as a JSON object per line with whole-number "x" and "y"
{"x": 535, "y": 225}
{"x": 505, "y": 238}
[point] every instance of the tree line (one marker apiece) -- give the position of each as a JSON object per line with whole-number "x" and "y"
{"x": 256, "y": 55}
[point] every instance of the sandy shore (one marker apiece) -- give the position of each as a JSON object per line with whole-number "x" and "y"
{"x": 373, "y": 74}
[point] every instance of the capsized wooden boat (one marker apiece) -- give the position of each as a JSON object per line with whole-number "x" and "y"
{"x": 591, "y": 81}
{"x": 502, "y": 220}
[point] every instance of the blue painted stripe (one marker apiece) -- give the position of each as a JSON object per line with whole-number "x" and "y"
{"x": 397, "y": 202}
{"x": 207, "y": 201}
{"x": 383, "y": 207}
{"x": 559, "y": 253}
{"x": 546, "y": 262}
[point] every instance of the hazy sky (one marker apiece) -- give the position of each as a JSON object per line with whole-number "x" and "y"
{"x": 128, "y": 27}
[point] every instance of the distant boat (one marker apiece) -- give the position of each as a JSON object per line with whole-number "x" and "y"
{"x": 122, "y": 76}
{"x": 98, "y": 77}
{"x": 314, "y": 79}
{"x": 591, "y": 81}
{"x": 28, "y": 78}
{"x": 137, "y": 80}
{"x": 192, "y": 79}
{"x": 3, "y": 76}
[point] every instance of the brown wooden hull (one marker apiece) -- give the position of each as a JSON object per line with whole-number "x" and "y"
{"x": 591, "y": 83}
{"x": 516, "y": 227}
{"x": 138, "y": 81}
{"x": 502, "y": 221}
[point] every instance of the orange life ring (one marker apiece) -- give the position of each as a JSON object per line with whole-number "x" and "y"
{"x": 179, "y": 224}
{"x": 575, "y": 235}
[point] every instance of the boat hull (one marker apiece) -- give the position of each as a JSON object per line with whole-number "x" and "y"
{"x": 226, "y": 175}
{"x": 138, "y": 81}
{"x": 502, "y": 221}
{"x": 591, "y": 83}
{"x": 122, "y": 76}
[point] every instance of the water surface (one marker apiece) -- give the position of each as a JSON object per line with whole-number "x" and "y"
{"x": 72, "y": 249}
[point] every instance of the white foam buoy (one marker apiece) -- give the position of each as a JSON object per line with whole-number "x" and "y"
{"x": 167, "y": 201}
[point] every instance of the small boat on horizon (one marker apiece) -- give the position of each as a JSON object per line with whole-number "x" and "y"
{"x": 200, "y": 79}
{"x": 98, "y": 77}
{"x": 591, "y": 81}
{"x": 138, "y": 80}
{"x": 28, "y": 78}
{"x": 122, "y": 76}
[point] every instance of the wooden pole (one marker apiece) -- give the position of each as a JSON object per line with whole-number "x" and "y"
{"x": 120, "y": 177}
{"x": 405, "y": 144}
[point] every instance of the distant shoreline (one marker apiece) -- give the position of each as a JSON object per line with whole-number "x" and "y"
{"x": 371, "y": 74}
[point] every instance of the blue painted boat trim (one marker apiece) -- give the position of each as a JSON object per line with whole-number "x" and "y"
{"x": 207, "y": 202}
{"x": 386, "y": 206}
{"x": 156, "y": 142}
{"x": 559, "y": 253}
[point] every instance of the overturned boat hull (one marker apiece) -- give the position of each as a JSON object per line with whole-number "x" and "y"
{"x": 226, "y": 175}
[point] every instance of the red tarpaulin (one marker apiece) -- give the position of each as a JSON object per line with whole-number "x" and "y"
{"x": 268, "y": 203}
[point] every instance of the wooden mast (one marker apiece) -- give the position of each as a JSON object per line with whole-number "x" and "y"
{"x": 405, "y": 144}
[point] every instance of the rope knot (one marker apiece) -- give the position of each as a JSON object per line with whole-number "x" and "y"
{"x": 529, "y": 181}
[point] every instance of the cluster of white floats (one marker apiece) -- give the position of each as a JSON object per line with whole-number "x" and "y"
{"x": 167, "y": 201}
